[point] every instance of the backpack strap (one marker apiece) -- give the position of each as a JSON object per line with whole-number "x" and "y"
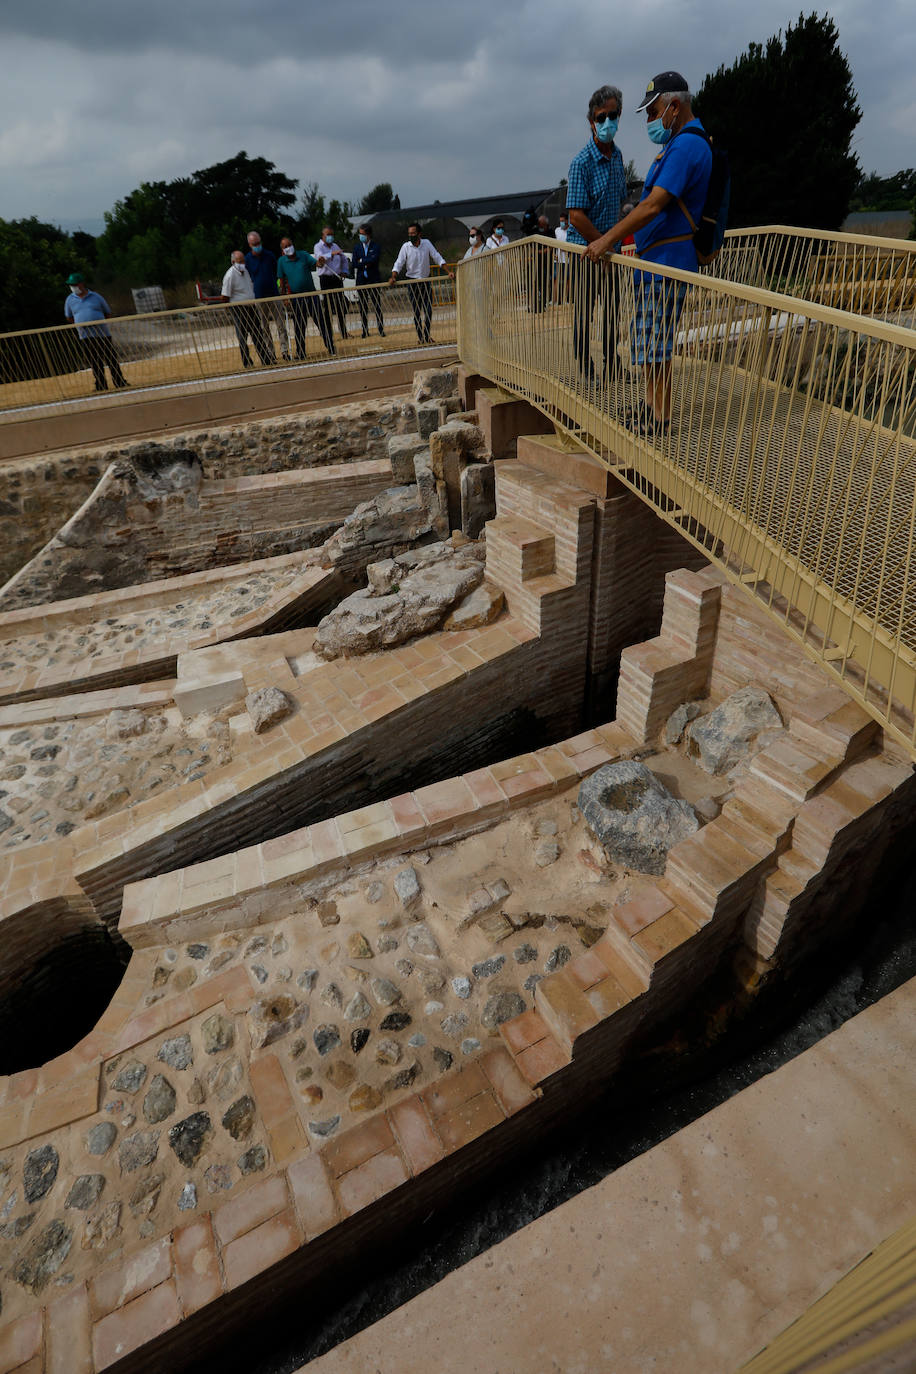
{"x": 682, "y": 238}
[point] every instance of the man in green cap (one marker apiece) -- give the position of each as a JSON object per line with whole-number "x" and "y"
{"x": 89, "y": 311}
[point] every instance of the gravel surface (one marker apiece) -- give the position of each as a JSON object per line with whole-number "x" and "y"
{"x": 195, "y": 613}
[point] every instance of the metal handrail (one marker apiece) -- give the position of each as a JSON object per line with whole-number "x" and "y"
{"x": 201, "y": 345}
{"x": 790, "y": 457}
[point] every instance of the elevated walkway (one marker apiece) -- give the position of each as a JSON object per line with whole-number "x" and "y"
{"x": 790, "y": 455}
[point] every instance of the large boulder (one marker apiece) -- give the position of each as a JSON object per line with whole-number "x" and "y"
{"x": 634, "y": 816}
{"x": 390, "y": 521}
{"x": 724, "y": 737}
{"x": 407, "y": 596}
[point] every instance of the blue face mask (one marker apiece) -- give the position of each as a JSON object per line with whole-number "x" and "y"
{"x": 255, "y": 248}
{"x": 606, "y": 131}
{"x": 364, "y": 238}
{"x": 657, "y": 131}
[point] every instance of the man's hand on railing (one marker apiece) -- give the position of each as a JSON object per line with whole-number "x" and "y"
{"x": 598, "y": 248}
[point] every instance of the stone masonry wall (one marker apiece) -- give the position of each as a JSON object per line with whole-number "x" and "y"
{"x": 143, "y": 525}
{"x": 38, "y": 495}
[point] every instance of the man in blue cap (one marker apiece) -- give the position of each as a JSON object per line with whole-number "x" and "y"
{"x": 89, "y": 311}
{"x": 663, "y": 224}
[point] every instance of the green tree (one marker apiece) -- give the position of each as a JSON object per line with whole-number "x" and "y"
{"x": 37, "y": 259}
{"x": 380, "y": 198}
{"x": 786, "y": 111}
{"x": 147, "y": 234}
{"x": 874, "y": 192}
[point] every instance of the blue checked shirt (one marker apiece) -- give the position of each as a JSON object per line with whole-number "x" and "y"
{"x": 597, "y": 185}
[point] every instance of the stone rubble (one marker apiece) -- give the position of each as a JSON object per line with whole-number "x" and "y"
{"x": 407, "y": 596}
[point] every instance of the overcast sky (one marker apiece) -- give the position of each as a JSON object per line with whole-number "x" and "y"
{"x": 479, "y": 97}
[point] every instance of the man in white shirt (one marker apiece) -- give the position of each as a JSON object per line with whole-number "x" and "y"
{"x": 416, "y": 257}
{"x": 560, "y": 269}
{"x": 498, "y": 238}
{"x": 333, "y": 266}
{"x": 238, "y": 288}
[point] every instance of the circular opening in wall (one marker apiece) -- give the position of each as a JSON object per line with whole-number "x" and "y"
{"x": 58, "y": 1000}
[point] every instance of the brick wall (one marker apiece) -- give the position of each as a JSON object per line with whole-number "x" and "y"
{"x": 38, "y": 495}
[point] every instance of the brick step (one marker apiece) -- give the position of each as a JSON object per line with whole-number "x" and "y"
{"x": 796, "y": 769}
{"x": 711, "y": 874}
{"x": 763, "y": 810}
{"x": 518, "y": 549}
{"x": 847, "y": 731}
{"x": 843, "y": 806}
{"x": 631, "y": 964}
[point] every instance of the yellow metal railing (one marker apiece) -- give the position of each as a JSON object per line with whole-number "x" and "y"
{"x": 789, "y": 456}
{"x": 199, "y": 346}
{"x": 867, "y": 1321}
{"x": 856, "y": 272}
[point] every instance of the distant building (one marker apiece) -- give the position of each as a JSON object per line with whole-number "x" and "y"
{"x": 450, "y": 219}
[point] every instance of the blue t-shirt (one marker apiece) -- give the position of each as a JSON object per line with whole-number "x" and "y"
{"x": 262, "y": 269}
{"x": 82, "y": 309}
{"x": 682, "y": 168}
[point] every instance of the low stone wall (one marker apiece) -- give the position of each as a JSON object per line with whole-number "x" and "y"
{"x": 156, "y": 517}
{"x": 38, "y": 495}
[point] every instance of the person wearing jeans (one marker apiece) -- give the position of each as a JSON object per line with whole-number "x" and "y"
{"x": 294, "y": 273}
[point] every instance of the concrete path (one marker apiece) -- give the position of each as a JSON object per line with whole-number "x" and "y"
{"x": 692, "y": 1257}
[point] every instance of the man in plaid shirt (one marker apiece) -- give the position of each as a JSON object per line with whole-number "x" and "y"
{"x": 595, "y": 191}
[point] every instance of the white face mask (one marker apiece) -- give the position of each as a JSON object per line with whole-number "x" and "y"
{"x": 239, "y": 266}
{"x": 472, "y": 240}
{"x": 290, "y": 252}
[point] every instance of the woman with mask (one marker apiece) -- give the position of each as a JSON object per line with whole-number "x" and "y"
{"x": 477, "y": 245}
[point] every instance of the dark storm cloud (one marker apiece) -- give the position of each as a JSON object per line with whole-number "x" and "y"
{"x": 255, "y": 31}
{"x": 486, "y": 96}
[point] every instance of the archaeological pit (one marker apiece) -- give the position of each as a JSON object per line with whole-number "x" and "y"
{"x": 374, "y": 784}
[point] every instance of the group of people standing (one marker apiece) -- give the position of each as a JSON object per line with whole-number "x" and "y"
{"x": 259, "y": 276}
